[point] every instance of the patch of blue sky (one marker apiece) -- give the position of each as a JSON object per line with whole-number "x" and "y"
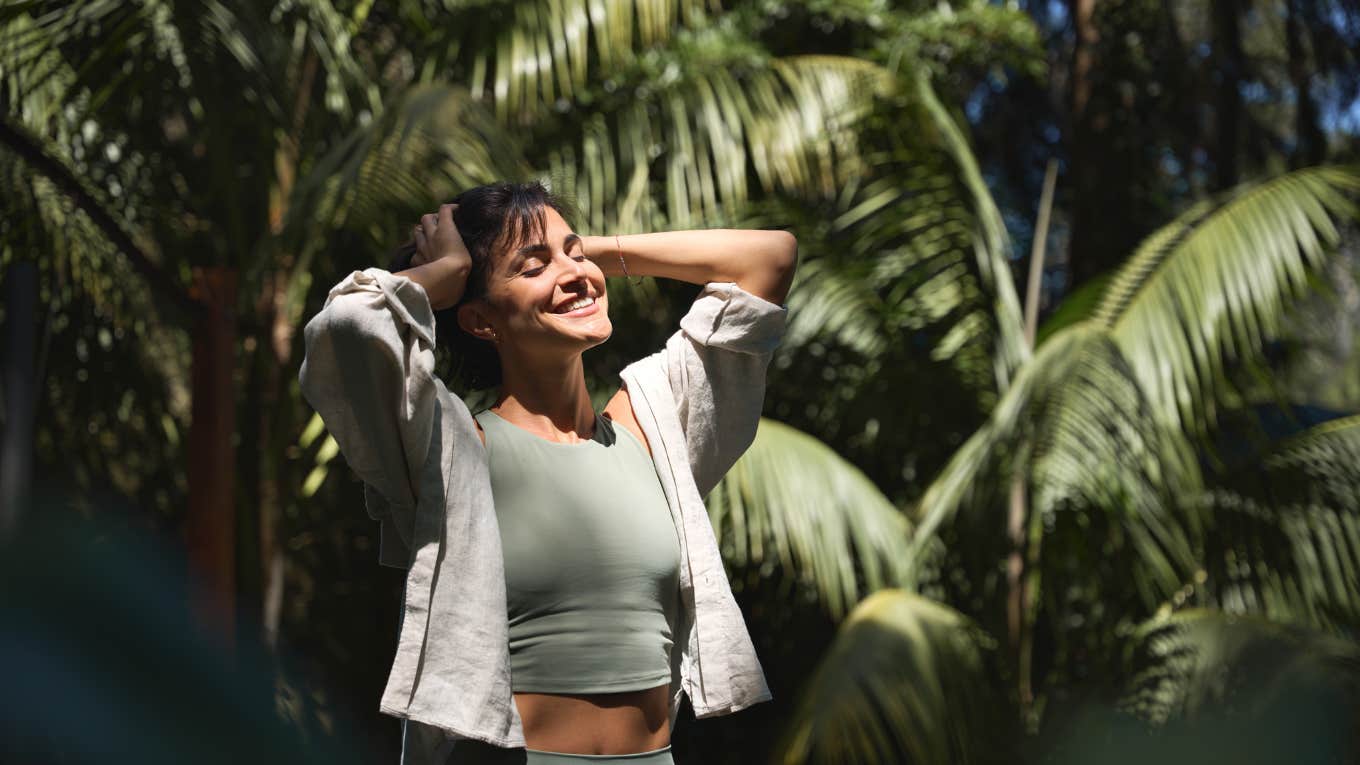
{"x": 1057, "y": 12}
{"x": 1344, "y": 119}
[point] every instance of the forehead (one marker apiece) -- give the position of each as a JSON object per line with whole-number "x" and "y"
{"x": 550, "y": 231}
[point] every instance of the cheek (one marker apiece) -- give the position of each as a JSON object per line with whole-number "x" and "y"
{"x": 517, "y": 301}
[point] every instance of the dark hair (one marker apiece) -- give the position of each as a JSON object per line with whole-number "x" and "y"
{"x": 489, "y": 219}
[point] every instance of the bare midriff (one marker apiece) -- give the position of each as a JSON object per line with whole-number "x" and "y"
{"x": 596, "y": 723}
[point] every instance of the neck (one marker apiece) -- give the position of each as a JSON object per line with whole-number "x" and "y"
{"x": 549, "y": 399}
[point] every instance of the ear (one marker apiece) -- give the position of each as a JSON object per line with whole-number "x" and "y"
{"x": 474, "y": 318}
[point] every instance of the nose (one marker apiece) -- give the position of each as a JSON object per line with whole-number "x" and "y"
{"x": 573, "y": 270}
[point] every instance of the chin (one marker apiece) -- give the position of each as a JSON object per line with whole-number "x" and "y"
{"x": 600, "y": 333}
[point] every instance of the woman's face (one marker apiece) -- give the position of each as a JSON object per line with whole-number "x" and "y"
{"x": 544, "y": 296}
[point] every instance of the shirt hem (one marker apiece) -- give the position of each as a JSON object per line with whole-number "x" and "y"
{"x": 458, "y": 731}
{"x": 622, "y": 686}
{"x": 728, "y": 709}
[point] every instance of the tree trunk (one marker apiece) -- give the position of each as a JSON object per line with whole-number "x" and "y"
{"x": 211, "y": 525}
{"x": 1310, "y": 143}
{"x": 274, "y": 430}
{"x": 1020, "y": 596}
{"x": 1096, "y": 181}
{"x": 1231, "y": 70}
{"x": 21, "y": 393}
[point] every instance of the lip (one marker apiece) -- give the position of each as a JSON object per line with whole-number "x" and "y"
{"x": 579, "y": 312}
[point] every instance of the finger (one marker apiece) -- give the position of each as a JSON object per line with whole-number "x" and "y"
{"x": 446, "y": 214}
{"x": 428, "y": 223}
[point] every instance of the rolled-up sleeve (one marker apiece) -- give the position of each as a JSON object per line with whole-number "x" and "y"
{"x": 369, "y": 373}
{"x": 716, "y": 364}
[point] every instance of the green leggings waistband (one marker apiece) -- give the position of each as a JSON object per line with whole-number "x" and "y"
{"x": 472, "y": 752}
{"x": 654, "y": 757}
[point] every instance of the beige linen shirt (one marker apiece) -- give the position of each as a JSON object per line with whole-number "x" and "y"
{"x": 369, "y": 372}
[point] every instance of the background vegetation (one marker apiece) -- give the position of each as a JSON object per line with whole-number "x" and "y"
{"x": 1062, "y": 454}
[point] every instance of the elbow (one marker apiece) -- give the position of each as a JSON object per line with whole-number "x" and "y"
{"x": 786, "y": 252}
{"x": 782, "y": 264}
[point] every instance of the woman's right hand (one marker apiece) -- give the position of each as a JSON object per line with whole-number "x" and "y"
{"x": 437, "y": 237}
{"x": 441, "y": 264}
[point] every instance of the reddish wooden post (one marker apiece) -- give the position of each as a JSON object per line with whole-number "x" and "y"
{"x": 211, "y": 526}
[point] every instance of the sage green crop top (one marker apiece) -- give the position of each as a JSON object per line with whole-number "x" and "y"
{"x": 592, "y": 562}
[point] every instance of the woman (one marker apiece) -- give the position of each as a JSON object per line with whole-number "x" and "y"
{"x": 586, "y": 530}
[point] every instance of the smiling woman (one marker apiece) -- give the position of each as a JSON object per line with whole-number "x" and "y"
{"x": 564, "y": 588}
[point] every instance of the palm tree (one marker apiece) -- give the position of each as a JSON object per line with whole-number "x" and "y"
{"x": 172, "y": 156}
{"x": 1110, "y": 425}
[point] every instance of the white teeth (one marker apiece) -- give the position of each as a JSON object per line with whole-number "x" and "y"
{"x": 578, "y": 303}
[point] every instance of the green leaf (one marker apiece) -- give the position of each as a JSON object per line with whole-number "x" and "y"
{"x": 790, "y": 500}
{"x": 1077, "y": 305}
{"x": 906, "y": 681}
{"x": 1213, "y": 286}
{"x": 1075, "y": 423}
{"x": 1284, "y": 540}
{"x": 1202, "y": 665}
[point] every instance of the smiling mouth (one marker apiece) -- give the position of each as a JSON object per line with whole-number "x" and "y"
{"x": 576, "y": 305}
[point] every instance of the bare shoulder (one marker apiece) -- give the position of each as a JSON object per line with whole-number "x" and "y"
{"x": 620, "y": 411}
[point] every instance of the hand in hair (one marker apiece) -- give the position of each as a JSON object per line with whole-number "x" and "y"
{"x": 437, "y": 237}
{"x": 441, "y": 262}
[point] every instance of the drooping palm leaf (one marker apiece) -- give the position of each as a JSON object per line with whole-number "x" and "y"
{"x": 1285, "y": 540}
{"x": 431, "y": 140}
{"x": 1075, "y": 421}
{"x": 916, "y": 245}
{"x": 1100, "y": 413}
{"x": 991, "y": 243}
{"x": 906, "y": 681}
{"x": 1204, "y": 666}
{"x": 791, "y": 501}
{"x": 1213, "y": 286}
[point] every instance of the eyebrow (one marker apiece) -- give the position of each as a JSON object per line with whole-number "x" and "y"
{"x": 533, "y": 249}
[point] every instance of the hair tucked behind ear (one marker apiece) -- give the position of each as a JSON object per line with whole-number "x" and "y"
{"x": 489, "y": 219}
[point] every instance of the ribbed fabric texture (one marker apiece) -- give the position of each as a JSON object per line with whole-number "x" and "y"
{"x": 592, "y": 563}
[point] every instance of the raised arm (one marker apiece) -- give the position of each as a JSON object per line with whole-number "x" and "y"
{"x": 760, "y": 262}
{"x": 369, "y": 372}
{"x": 441, "y": 263}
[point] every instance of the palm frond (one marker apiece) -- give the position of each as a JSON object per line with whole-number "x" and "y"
{"x": 906, "y": 681}
{"x": 330, "y": 35}
{"x": 1197, "y": 665}
{"x": 430, "y": 141}
{"x": 549, "y": 52}
{"x": 829, "y": 302}
{"x": 915, "y": 243}
{"x": 680, "y": 153}
{"x": 1320, "y": 465}
{"x": 991, "y": 242}
{"x": 1284, "y": 541}
{"x": 791, "y": 502}
{"x": 1076, "y": 423}
{"x": 46, "y": 187}
{"x": 1213, "y": 286}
